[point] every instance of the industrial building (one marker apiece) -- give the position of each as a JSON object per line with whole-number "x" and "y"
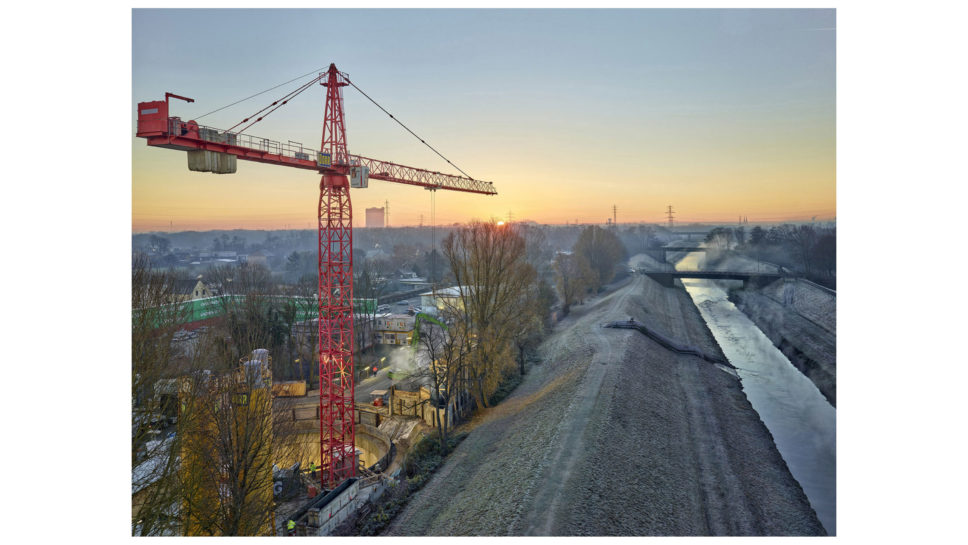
{"x": 393, "y": 329}
{"x": 436, "y": 301}
{"x": 374, "y": 217}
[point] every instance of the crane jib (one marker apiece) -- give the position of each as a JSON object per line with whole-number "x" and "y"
{"x": 163, "y": 131}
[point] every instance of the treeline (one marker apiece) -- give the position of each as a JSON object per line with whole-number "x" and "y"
{"x": 593, "y": 262}
{"x": 805, "y": 249}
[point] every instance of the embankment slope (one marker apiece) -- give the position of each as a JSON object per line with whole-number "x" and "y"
{"x": 615, "y": 435}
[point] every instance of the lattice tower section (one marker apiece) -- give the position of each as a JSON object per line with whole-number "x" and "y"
{"x": 336, "y": 419}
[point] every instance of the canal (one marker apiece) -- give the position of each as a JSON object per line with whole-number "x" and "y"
{"x": 802, "y": 422}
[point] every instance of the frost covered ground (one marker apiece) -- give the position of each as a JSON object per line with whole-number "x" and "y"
{"x": 612, "y": 434}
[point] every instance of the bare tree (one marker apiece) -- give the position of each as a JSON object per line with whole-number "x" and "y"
{"x": 489, "y": 266}
{"x": 574, "y": 277}
{"x": 230, "y": 437}
{"x": 448, "y": 351}
{"x": 804, "y": 238}
{"x": 433, "y": 339}
{"x": 157, "y": 313}
{"x": 602, "y": 249}
{"x": 538, "y": 251}
{"x": 825, "y": 254}
{"x": 531, "y": 323}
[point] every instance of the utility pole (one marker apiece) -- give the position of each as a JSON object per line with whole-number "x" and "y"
{"x": 614, "y": 215}
{"x": 669, "y": 212}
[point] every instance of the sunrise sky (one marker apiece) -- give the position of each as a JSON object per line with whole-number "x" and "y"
{"x": 719, "y": 113}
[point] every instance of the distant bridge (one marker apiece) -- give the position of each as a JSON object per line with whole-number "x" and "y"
{"x": 689, "y": 234}
{"x": 759, "y": 279}
{"x": 680, "y": 249}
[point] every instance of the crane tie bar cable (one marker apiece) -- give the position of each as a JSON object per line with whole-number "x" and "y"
{"x": 316, "y": 71}
{"x": 284, "y": 100}
{"x": 405, "y": 127}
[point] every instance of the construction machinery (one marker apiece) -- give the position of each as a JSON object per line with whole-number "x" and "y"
{"x": 214, "y": 150}
{"x": 418, "y": 318}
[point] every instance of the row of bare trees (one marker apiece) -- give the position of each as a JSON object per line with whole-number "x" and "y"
{"x": 807, "y": 248}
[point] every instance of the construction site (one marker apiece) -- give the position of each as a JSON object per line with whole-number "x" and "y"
{"x": 288, "y": 416}
{"x": 328, "y": 432}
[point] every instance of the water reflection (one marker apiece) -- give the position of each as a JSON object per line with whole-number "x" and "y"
{"x": 801, "y": 420}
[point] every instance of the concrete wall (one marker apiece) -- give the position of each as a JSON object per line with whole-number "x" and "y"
{"x": 336, "y": 510}
{"x": 325, "y": 513}
{"x": 375, "y": 445}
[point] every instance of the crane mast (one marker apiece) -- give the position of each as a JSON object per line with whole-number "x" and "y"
{"x": 336, "y": 377}
{"x": 214, "y": 150}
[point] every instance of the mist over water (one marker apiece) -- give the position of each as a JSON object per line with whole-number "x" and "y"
{"x": 802, "y": 421}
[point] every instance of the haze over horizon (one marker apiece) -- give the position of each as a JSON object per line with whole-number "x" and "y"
{"x": 719, "y": 113}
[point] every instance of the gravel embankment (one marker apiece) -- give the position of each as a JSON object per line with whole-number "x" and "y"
{"x": 615, "y": 435}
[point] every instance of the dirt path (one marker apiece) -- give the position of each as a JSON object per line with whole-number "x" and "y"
{"x": 551, "y": 484}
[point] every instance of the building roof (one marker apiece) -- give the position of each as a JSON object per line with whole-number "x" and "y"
{"x": 397, "y": 316}
{"x": 149, "y": 470}
{"x": 453, "y": 291}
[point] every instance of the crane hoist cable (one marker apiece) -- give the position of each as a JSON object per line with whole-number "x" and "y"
{"x": 316, "y": 71}
{"x": 405, "y": 127}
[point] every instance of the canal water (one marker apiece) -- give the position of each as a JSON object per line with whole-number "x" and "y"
{"x": 802, "y": 422}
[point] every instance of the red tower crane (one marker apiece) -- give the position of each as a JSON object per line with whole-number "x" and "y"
{"x": 214, "y": 150}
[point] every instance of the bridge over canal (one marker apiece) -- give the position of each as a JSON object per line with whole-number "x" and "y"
{"x": 759, "y": 279}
